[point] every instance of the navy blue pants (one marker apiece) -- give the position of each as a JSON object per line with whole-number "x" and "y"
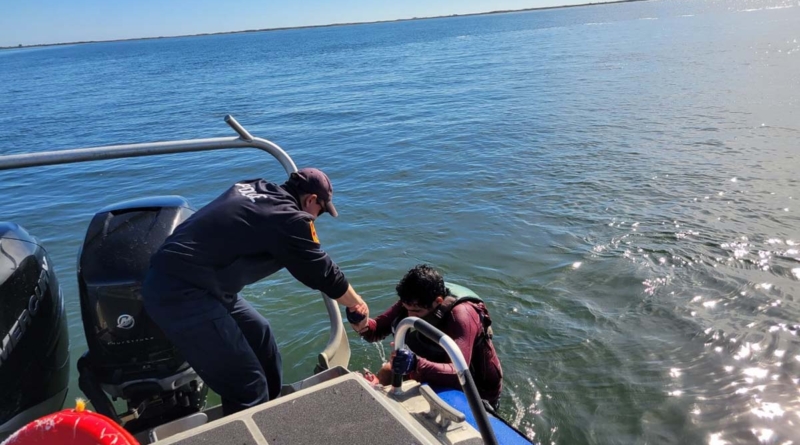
{"x": 229, "y": 344}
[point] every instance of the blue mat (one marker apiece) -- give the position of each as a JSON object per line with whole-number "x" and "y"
{"x": 504, "y": 433}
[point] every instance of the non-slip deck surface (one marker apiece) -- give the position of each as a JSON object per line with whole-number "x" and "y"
{"x": 234, "y": 433}
{"x": 342, "y": 414}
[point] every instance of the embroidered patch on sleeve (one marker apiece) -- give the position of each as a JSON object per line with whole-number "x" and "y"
{"x": 313, "y": 232}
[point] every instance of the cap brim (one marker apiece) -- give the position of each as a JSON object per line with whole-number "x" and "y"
{"x": 331, "y": 209}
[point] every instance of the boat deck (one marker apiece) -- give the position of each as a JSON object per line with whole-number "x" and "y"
{"x": 344, "y": 410}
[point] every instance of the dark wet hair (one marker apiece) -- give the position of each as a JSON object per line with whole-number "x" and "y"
{"x": 421, "y": 285}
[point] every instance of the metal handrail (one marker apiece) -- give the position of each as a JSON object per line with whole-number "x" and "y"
{"x": 462, "y": 370}
{"x": 337, "y": 350}
{"x": 149, "y": 149}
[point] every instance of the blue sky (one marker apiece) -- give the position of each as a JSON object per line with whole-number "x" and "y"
{"x": 30, "y": 22}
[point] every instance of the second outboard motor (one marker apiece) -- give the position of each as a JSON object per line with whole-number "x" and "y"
{"x": 129, "y": 357}
{"x": 34, "y": 359}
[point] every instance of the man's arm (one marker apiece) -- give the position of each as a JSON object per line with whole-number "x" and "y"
{"x": 349, "y": 298}
{"x": 352, "y": 301}
{"x": 464, "y": 327}
{"x": 381, "y": 326}
{"x": 300, "y": 252}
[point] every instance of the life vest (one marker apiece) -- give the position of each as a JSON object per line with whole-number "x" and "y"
{"x": 72, "y": 427}
{"x": 423, "y": 346}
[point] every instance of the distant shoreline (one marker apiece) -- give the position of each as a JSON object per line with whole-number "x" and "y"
{"x": 315, "y": 26}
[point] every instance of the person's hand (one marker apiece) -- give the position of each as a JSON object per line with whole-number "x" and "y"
{"x": 403, "y": 362}
{"x": 385, "y": 374}
{"x": 371, "y": 378}
{"x": 358, "y": 316}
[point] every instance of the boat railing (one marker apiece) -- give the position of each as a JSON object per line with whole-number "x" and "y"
{"x": 337, "y": 350}
{"x": 462, "y": 370}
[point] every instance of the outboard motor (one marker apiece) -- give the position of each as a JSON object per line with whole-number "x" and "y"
{"x": 129, "y": 358}
{"x": 34, "y": 359}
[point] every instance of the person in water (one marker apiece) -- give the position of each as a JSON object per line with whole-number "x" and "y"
{"x": 423, "y": 294}
{"x": 251, "y": 231}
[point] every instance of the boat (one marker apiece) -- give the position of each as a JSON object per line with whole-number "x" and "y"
{"x": 33, "y": 329}
{"x": 130, "y": 361}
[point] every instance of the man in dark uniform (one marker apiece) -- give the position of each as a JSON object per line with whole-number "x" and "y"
{"x": 249, "y": 232}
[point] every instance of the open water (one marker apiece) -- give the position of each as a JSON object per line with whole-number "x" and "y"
{"x": 619, "y": 182}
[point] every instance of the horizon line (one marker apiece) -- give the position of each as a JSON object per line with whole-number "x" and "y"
{"x": 284, "y": 28}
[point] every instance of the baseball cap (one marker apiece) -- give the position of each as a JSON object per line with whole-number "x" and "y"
{"x": 314, "y": 181}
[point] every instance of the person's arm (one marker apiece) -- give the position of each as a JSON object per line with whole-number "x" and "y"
{"x": 299, "y": 251}
{"x": 353, "y": 302}
{"x": 295, "y": 248}
{"x": 349, "y": 298}
{"x": 381, "y": 326}
{"x": 464, "y": 327}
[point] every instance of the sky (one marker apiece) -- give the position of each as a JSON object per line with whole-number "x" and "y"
{"x": 33, "y": 22}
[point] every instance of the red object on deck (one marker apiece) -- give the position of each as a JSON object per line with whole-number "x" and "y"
{"x": 72, "y": 427}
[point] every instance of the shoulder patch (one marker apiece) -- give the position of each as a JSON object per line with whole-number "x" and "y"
{"x": 313, "y": 232}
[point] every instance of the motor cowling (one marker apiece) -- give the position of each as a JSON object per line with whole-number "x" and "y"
{"x": 129, "y": 357}
{"x": 34, "y": 359}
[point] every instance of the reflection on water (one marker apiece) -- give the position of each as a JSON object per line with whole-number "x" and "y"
{"x": 744, "y": 381}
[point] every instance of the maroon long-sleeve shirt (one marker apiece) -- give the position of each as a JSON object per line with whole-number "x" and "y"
{"x": 463, "y": 325}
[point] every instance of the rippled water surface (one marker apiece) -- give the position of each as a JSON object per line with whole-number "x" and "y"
{"x": 620, "y": 182}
